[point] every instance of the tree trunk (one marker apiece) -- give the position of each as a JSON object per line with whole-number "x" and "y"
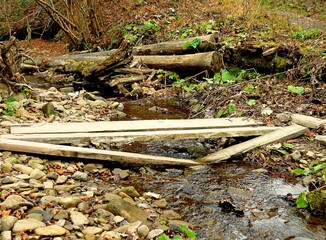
{"x": 208, "y": 43}
{"x": 210, "y": 61}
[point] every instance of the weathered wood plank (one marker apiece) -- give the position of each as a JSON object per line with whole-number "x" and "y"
{"x": 115, "y": 126}
{"x": 143, "y": 135}
{"x": 278, "y": 135}
{"x": 321, "y": 139}
{"x": 307, "y": 121}
{"x": 88, "y": 153}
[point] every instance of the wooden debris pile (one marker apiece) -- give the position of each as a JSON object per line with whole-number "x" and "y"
{"x": 45, "y": 138}
{"x": 208, "y": 53}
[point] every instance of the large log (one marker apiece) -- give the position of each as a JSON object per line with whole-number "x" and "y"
{"x": 210, "y": 61}
{"x": 207, "y": 43}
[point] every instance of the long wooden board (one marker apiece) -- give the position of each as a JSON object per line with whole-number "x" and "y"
{"x": 62, "y": 138}
{"x": 114, "y": 126}
{"x": 278, "y": 135}
{"x": 88, "y": 153}
{"x": 307, "y": 121}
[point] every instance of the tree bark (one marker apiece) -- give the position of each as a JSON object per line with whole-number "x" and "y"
{"x": 208, "y": 43}
{"x": 210, "y": 61}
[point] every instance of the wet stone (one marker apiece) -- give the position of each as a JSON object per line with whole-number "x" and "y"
{"x": 37, "y": 174}
{"x": 131, "y": 191}
{"x": 7, "y": 180}
{"x": 69, "y": 202}
{"x": 22, "y": 168}
{"x": 15, "y": 201}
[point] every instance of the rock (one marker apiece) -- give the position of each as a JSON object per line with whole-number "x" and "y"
{"x": 27, "y": 225}
{"x": 7, "y": 222}
{"x": 7, "y": 180}
{"x": 121, "y": 173}
{"x": 112, "y": 197}
{"x": 15, "y": 201}
{"x": 61, "y": 179}
{"x": 169, "y": 214}
{"x": 151, "y": 195}
{"x": 92, "y": 230}
{"x": 130, "y": 212}
{"x": 118, "y": 219}
{"x": 131, "y": 191}
{"x": 143, "y": 231}
{"x": 37, "y": 174}
{"x": 69, "y": 202}
{"x": 6, "y": 235}
{"x": 36, "y": 216}
{"x": 83, "y": 206}
{"x": 129, "y": 228}
{"x": 62, "y": 214}
{"x": 175, "y": 225}
{"x": 50, "y": 231}
{"x": 296, "y": 155}
{"x": 52, "y": 175}
{"x": 238, "y": 192}
{"x": 48, "y": 185}
{"x": 64, "y": 188}
{"x": 310, "y": 154}
{"x": 283, "y": 117}
{"x": 48, "y": 109}
{"x": 6, "y": 167}
{"x": 78, "y": 218}
{"x": 81, "y": 176}
{"x": 89, "y": 167}
{"x": 154, "y": 233}
{"x": 110, "y": 235}
{"x": 162, "y": 203}
{"x": 22, "y": 168}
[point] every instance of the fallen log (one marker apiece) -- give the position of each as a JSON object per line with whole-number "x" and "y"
{"x": 123, "y": 80}
{"x": 76, "y": 138}
{"x": 115, "y": 126}
{"x": 210, "y": 61}
{"x": 207, "y": 43}
{"x": 278, "y": 135}
{"x": 88, "y": 153}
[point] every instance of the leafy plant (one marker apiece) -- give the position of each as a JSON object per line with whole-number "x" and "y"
{"x": 227, "y": 76}
{"x": 296, "y": 89}
{"x": 251, "y": 102}
{"x": 194, "y": 43}
{"x": 311, "y": 170}
{"x": 225, "y": 112}
{"x": 152, "y": 24}
{"x": 283, "y": 148}
{"x": 10, "y": 107}
{"x": 307, "y": 34}
{"x": 302, "y": 200}
{"x": 191, "y": 235}
{"x": 249, "y": 88}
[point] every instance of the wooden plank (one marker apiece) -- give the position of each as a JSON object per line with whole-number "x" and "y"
{"x": 88, "y": 153}
{"x": 278, "y": 135}
{"x": 307, "y": 121}
{"x": 321, "y": 139}
{"x": 62, "y": 138}
{"x": 115, "y": 126}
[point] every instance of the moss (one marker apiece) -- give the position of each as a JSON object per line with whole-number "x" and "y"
{"x": 317, "y": 201}
{"x": 280, "y": 63}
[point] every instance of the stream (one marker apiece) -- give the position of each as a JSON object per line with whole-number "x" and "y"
{"x": 231, "y": 200}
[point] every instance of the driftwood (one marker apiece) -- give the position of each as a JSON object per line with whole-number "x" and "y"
{"x": 123, "y": 80}
{"x": 321, "y": 139}
{"x": 129, "y": 136}
{"x": 200, "y": 61}
{"x": 278, "y": 135}
{"x": 88, "y": 153}
{"x": 207, "y": 43}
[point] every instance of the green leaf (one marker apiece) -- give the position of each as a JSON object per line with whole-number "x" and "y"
{"x": 283, "y": 151}
{"x": 251, "y": 102}
{"x": 220, "y": 113}
{"x": 190, "y": 87}
{"x": 227, "y": 76}
{"x": 301, "y": 200}
{"x": 231, "y": 108}
{"x": 300, "y": 171}
{"x": 179, "y": 83}
{"x": 194, "y": 43}
{"x": 296, "y": 89}
{"x": 163, "y": 237}
{"x": 249, "y": 88}
{"x": 288, "y": 145}
{"x": 177, "y": 237}
{"x": 319, "y": 166}
{"x": 190, "y": 234}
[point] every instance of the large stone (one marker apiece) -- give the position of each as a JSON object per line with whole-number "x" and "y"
{"x": 22, "y": 168}
{"x": 37, "y": 174}
{"x": 15, "y": 201}
{"x": 128, "y": 211}
{"x": 92, "y": 230}
{"x": 131, "y": 191}
{"x": 27, "y": 225}
{"x": 7, "y": 222}
{"x": 6, "y": 235}
{"x": 50, "y": 231}
{"x": 69, "y": 202}
{"x": 78, "y": 218}
{"x": 81, "y": 176}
